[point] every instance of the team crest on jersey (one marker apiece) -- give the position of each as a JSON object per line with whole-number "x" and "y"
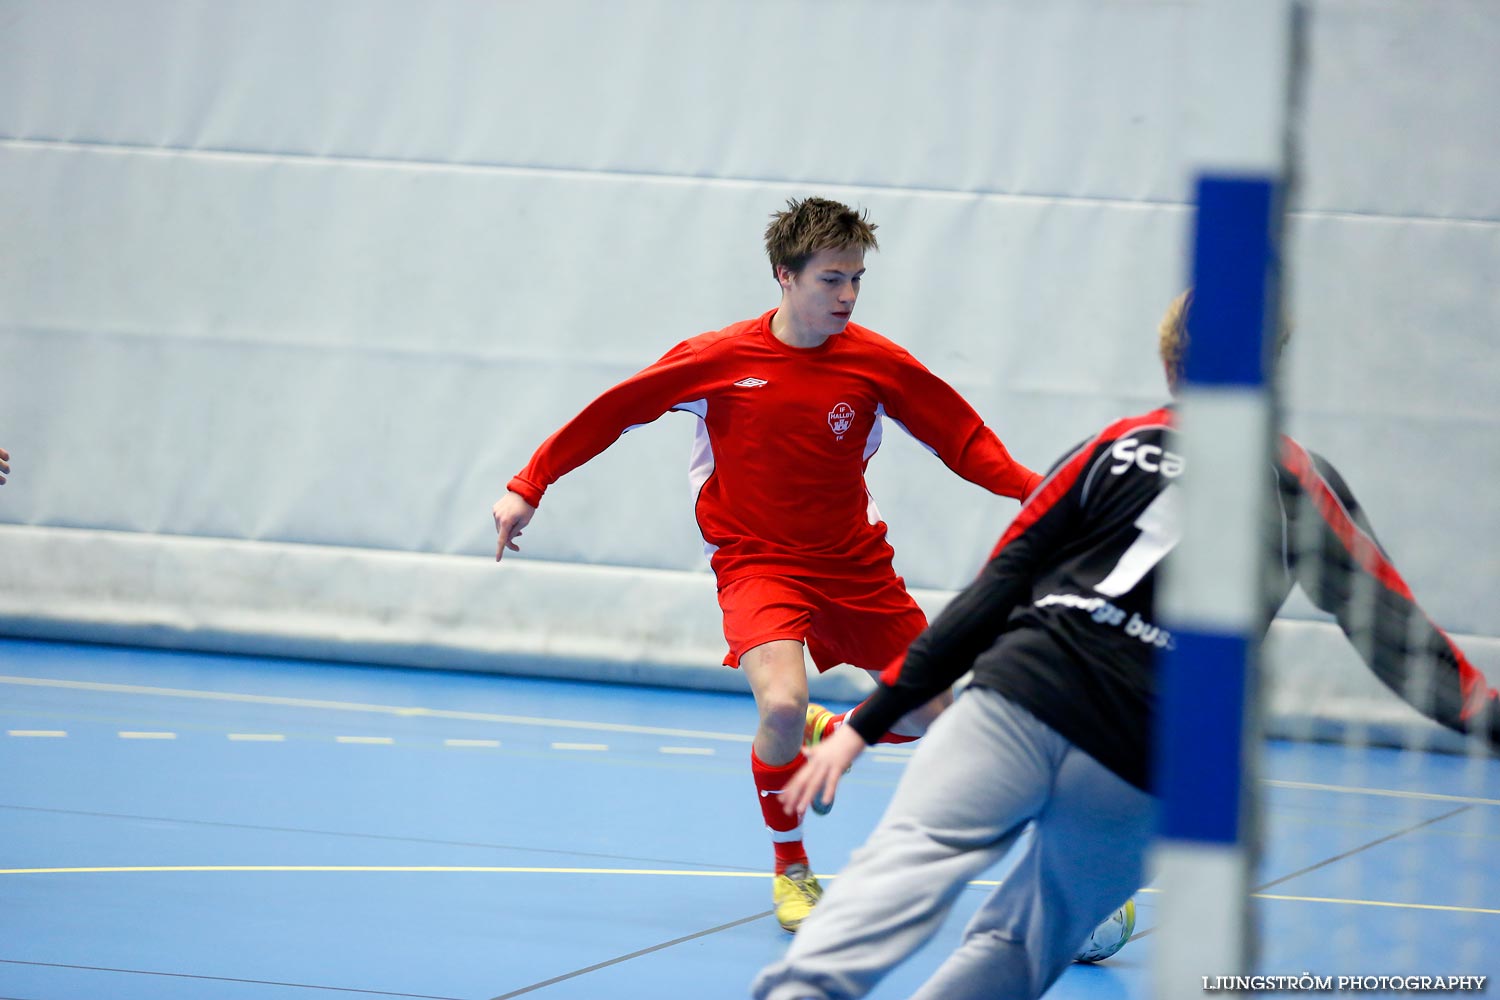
{"x": 839, "y": 418}
{"x": 751, "y": 383}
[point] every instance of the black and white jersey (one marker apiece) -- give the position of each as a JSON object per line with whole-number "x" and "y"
{"x": 1061, "y": 619}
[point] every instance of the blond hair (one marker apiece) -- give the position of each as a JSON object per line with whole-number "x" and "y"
{"x": 1172, "y": 338}
{"x": 814, "y": 224}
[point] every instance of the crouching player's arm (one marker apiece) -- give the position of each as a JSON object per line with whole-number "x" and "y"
{"x": 1397, "y": 640}
{"x": 941, "y": 655}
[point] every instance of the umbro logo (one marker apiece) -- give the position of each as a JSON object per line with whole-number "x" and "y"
{"x": 751, "y": 383}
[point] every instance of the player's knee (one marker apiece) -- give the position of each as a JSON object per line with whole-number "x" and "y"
{"x": 783, "y": 712}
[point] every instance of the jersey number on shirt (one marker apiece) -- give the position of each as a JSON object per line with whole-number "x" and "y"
{"x": 1161, "y": 528}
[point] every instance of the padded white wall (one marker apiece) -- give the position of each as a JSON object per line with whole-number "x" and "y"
{"x": 288, "y": 291}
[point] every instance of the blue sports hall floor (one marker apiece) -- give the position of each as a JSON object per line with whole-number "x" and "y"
{"x": 179, "y": 825}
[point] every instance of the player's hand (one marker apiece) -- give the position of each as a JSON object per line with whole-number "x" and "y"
{"x": 4, "y": 465}
{"x": 511, "y": 515}
{"x": 819, "y": 777}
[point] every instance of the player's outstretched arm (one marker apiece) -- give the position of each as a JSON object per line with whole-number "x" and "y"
{"x": 511, "y": 515}
{"x": 947, "y": 648}
{"x": 1349, "y": 575}
{"x": 934, "y": 413}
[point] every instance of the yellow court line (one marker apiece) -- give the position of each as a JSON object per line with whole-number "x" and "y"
{"x": 353, "y": 706}
{"x": 692, "y": 873}
{"x": 418, "y": 869}
{"x": 1377, "y": 902}
{"x": 1345, "y": 902}
{"x": 1394, "y": 793}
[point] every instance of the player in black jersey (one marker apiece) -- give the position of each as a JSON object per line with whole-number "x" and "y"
{"x": 1055, "y": 729}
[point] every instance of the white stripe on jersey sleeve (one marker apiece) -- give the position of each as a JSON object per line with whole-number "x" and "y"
{"x": 701, "y": 463}
{"x": 872, "y": 443}
{"x": 880, "y": 412}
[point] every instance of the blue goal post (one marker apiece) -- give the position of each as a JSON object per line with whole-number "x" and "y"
{"x": 1212, "y": 598}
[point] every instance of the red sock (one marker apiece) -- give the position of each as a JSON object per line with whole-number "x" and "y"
{"x": 832, "y": 725}
{"x": 786, "y": 831}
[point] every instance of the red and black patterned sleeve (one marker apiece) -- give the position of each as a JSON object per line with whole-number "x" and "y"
{"x": 1333, "y": 554}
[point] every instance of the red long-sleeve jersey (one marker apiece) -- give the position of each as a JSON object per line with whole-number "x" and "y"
{"x": 784, "y": 437}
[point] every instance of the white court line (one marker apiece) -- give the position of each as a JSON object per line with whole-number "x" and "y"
{"x": 257, "y": 737}
{"x": 518, "y": 720}
{"x": 471, "y": 743}
{"x": 40, "y": 733}
{"x": 688, "y": 751}
{"x": 349, "y": 706}
{"x": 581, "y": 746}
{"x": 367, "y": 740}
{"x": 129, "y": 734}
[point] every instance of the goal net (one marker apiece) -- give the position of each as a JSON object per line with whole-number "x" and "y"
{"x": 1330, "y": 792}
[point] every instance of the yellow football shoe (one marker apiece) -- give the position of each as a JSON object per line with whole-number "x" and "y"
{"x": 795, "y": 893}
{"x": 818, "y": 718}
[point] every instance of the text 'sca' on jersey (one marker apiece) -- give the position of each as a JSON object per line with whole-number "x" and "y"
{"x": 1077, "y": 650}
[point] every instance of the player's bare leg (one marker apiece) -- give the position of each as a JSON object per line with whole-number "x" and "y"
{"x": 778, "y": 679}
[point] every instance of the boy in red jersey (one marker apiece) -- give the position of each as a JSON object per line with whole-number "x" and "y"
{"x": 790, "y": 406}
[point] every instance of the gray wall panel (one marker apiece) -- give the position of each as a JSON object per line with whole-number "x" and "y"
{"x": 325, "y": 274}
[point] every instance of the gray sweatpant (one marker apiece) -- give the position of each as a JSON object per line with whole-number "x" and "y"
{"x": 985, "y": 769}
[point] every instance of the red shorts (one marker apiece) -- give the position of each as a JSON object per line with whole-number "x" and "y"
{"x": 868, "y": 623}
